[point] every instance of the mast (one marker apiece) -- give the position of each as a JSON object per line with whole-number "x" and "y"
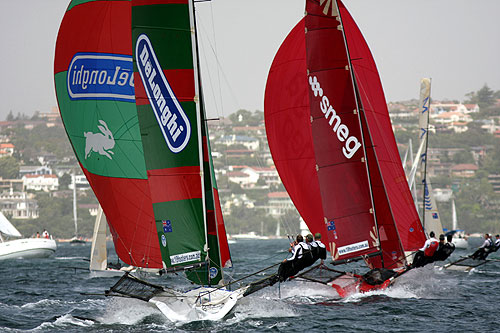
{"x": 75, "y": 218}
{"x": 206, "y": 174}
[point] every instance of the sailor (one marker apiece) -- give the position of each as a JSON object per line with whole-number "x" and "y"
{"x": 318, "y": 248}
{"x": 497, "y": 243}
{"x": 294, "y": 264}
{"x": 308, "y": 254}
{"x": 424, "y": 255}
{"x": 485, "y": 249}
{"x": 445, "y": 249}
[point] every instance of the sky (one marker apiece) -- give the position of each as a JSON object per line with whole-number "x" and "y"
{"x": 455, "y": 42}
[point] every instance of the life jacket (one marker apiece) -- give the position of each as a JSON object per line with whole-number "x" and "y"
{"x": 322, "y": 251}
{"x": 429, "y": 251}
{"x": 314, "y": 250}
{"x": 490, "y": 247}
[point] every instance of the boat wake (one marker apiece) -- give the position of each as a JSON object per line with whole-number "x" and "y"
{"x": 129, "y": 311}
{"x": 65, "y": 322}
{"x": 71, "y": 258}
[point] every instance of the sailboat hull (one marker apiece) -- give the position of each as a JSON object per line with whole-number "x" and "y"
{"x": 460, "y": 243}
{"x": 27, "y": 248}
{"x": 203, "y": 303}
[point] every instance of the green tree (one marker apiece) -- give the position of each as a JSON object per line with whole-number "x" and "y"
{"x": 9, "y": 167}
{"x": 64, "y": 181}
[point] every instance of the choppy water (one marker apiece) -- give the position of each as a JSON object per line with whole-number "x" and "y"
{"x": 45, "y": 295}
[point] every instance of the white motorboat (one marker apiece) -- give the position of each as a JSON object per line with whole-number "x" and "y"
{"x": 25, "y": 247}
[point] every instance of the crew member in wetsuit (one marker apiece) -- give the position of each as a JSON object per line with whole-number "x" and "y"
{"x": 484, "y": 249}
{"x": 497, "y": 243}
{"x": 445, "y": 249}
{"x": 318, "y": 248}
{"x": 294, "y": 264}
{"x": 424, "y": 255}
{"x": 308, "y": 255}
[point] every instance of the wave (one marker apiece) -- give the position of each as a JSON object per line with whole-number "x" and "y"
{"x": 65, "y": 321}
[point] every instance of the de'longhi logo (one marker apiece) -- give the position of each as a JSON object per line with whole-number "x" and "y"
{"x": 171, "y": 118}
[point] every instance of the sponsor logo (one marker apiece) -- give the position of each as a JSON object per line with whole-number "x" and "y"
{"x": 172, "y": 119}
{"x": 163, "y": 240}
{"x": 185, "y": 257}
{"x": 213, "y": 272}
{"x": 101, "y": 143}
{"x": 352, "y": 144}
{"x": 353, "y": 248}
{"x": 327, "y": 5}
{"x": 101, "y": 76}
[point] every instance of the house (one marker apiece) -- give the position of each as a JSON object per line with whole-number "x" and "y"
{"x": 242, "y": 178}
{"x": 46, "y": 183}
{"x": 494, "y": 180}
{"x": 19, "y": 205}
{"x": 81, "y": 183}
{"x": 6, "y": 149}
{"x": 34, "y": 170}
{"x": 464, "y": 170}
{"x": 249, "y": 142}
{"x": 279, "y": 203}
{"x": 438, "y": 108}
{"x": 269, "y": 175}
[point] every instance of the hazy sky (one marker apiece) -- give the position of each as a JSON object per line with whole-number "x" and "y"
{"x": 456, "y": 42}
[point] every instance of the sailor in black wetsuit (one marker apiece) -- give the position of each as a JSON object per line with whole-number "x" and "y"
{"x": 497, "y": 243}
{"x": 318, "y": 248}
{"x": 308, "y": 254}
{"x": 484, "y": 249}
{"x": 444, "y": 250}
{"x": 291, "y": 266}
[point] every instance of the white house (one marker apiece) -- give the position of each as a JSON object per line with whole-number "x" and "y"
{"x": 249, "y": 142}
{"x": 19, "y": 205}
{"x": 41, "y": 182}
{"x": 279, "y": 203}
{"x": 81, "y": 183}
{"x": 268, "y": 174}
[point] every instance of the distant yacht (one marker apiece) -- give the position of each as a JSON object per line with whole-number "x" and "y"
{"x": 250, "y": 235}
{"x": 22, "y": 248}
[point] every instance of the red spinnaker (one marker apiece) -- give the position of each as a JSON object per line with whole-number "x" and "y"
{"x": 332, "y": 142}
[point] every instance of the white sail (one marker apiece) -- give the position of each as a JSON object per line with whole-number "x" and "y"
{"x": 98, "y": 252}
{"x": 304, "y": 230}
{"x": 7, "y": 228}
{"x": 432, "y": 219}
{"x": 430, "y": 215}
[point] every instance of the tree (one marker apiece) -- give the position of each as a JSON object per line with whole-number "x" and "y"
{"x": 9, "y": 167}
{"x": 64, "y": 181}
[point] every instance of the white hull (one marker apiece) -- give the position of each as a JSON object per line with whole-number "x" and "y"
{"x": 27, "y": 248}
{"x": 198, "y": 304}
{"x": 460, "y": 243}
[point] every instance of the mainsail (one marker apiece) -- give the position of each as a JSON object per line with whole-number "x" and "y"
{"x": 340, "y": 165}
{"x": 128, "y": 87}
{"x": 430, "y": 215}
{"x": 7, "y": 228}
